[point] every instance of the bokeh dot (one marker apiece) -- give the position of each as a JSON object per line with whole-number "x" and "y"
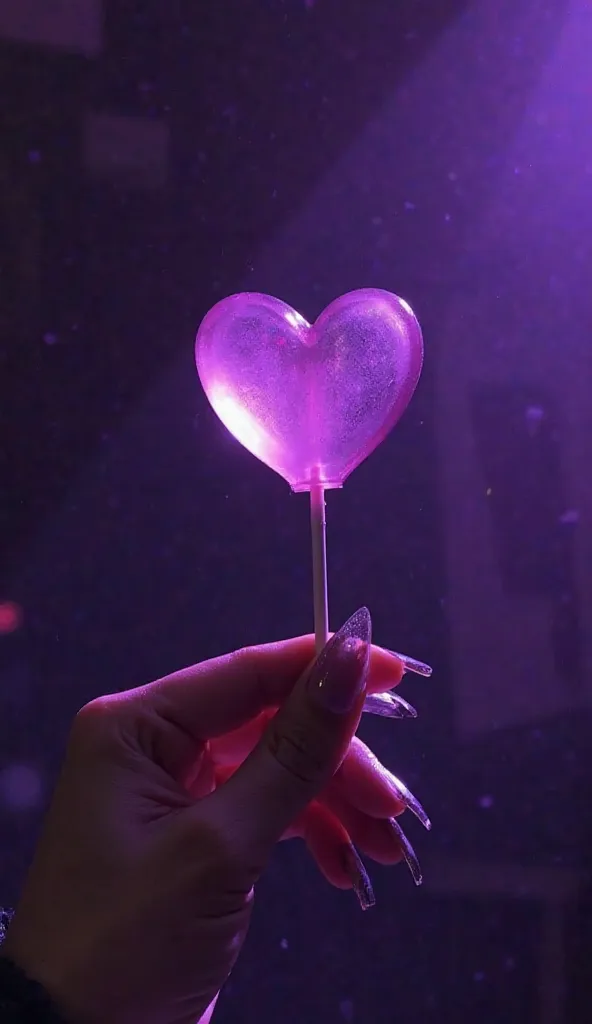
{"x": 21, "y": 787}
{"x": 11, "y": 617}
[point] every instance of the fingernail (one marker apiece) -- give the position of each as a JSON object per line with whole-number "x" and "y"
{"x": 360, "y": 879}
{"x": 388, "y": 705}
{"x": 419, "y": 668}
{"x": 409, "y": 854}
{"x": 338, "y": 677}
{"x": 411, "y": 802}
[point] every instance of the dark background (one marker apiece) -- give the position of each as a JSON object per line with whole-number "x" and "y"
{"x": 138, "y": 537}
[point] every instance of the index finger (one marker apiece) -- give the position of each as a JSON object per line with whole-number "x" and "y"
{"x": 216, "y": 696}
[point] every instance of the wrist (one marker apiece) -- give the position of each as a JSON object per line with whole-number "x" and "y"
{"x": 22, "y": 999}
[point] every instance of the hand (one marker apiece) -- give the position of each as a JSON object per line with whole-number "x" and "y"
{"x": 356, "y": 808}
{"x": 141, "y": 890}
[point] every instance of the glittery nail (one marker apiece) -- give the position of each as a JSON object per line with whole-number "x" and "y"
{"x": 338, "y": 677}
{"x": 411, "y": 802}
{"x": 359, "y": 877}
{"x": 388, "y": 705}
{"x": 419, "y": 668}
{"x": 409, "y": 854}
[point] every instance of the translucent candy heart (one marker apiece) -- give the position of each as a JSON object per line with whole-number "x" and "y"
{"x": 310, "y": 401}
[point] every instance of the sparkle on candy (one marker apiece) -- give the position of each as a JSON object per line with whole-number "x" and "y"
{"x": 310, "y": 401}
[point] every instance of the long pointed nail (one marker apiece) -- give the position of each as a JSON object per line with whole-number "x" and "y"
{"x": 338, "y": 677}
{"x": 360, "y": 879}
{"x": 411, "y": 802}
{"x": 419, "y": 668}
{"x": 409, "y": 854}
{"x": 388, "y": 705}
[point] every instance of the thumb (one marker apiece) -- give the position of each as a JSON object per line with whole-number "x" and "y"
{"x": 302, "y": 747}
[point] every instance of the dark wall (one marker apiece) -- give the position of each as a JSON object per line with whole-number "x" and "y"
{"x": 139, "y": 537}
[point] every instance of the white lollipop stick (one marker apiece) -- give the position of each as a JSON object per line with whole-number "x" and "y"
{"x": 318, "y": 527}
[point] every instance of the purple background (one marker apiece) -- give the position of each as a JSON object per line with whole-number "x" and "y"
{"x": 441, "y": 150}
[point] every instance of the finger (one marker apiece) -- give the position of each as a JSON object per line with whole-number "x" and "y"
{"x": 377, "y": 836}
{"x": 233, "y": 746}
{"x": 373, "y": 836}
{"x": 302, "y": 746}
{"x": 361, "y": 778}
{"x": 322, "y": 825}
{"x": 334, "y": 853}
{"x": 365, "y": 782}
{"x": 220, "y": 698}
{"x": 221, "y": 695}
{"x": 327, "y": 840}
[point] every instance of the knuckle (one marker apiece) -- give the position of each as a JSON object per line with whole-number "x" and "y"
{"x": 301, "y": 750}
{"x": 244, "y": 656}
{"x": 248, "y": 659}
{"x": 93, "y": 722}
{"x": 94, "y": 713}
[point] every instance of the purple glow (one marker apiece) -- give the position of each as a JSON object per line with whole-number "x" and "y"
{"x": 311, "y": 402}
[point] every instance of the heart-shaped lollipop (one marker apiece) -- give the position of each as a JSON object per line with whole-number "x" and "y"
{"x": 310, "y": 401}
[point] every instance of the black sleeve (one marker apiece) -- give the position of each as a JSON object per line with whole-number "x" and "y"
{"x": 22, "y": 1001}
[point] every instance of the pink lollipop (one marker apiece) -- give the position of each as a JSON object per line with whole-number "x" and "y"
{"x": 311, "y": 401}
